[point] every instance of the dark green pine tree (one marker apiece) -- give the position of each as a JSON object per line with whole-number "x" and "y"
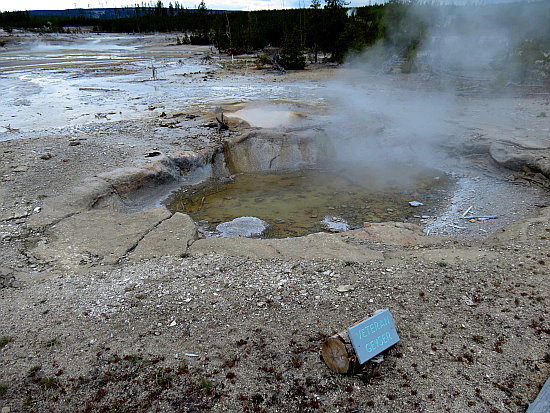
{"x": 292, "y": 56}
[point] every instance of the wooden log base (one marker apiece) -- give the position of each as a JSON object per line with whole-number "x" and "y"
{"x": 338, "y": 353}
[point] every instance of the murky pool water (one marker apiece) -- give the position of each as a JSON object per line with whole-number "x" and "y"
{"x": 295, "y": 203}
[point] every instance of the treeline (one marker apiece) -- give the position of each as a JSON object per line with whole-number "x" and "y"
{"x": 328, "y": 28}
{"x": 331, "y": 29}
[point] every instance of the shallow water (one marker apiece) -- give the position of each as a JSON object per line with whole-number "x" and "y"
{"x": 295, "y": 203}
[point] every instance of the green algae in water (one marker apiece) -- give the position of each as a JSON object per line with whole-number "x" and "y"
{"x": 295, "y": 203}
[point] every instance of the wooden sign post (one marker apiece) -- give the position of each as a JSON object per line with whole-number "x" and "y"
{"x": 360, "y": 343}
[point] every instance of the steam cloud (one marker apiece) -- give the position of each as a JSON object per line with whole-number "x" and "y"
{"x": 380, "y": 120}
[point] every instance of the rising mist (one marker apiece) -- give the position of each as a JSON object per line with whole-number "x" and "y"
{"x": 397, "y": 102}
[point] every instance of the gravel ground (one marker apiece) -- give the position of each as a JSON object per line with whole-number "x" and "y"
{"x": 224, "y": 333}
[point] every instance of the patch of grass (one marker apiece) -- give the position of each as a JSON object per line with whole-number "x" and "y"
{"x": 469, "y": 357}
{"x": 296, "y": 362}
{"x": 48, "y": 383}
{"x": 230, "y": 363}
{"x": 100, "y": 394}
{"x": 498, "y": 344}
{"x": 33, "y": 370}
{"x": 28, "y": 400}
{"x": 161, "y": 379}
{"x": 3, "y": 390}
{"x": 115, "y": 358}
{"x": 51, "y": 343}
{"x": 442, "y": 264}
{"x": 478, "y": 339}
{"x": 368, "y": 372}
{"x": 262, "y": 61}
{"x": 5, "y": 340}
{"x": 183, "y": 368}
{"x": 205, "y": 384}
{"x": 133, "y": 358}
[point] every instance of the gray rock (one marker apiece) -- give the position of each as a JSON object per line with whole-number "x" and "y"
{"x": 89, "y": 193}
{"x": 334, "y": 223}
{"x": 242, "y": 227}
{"x": 6, "y": 277}
{"x": 270, "y": 150}
{"x": 520, "y": 152}
{"x": 21, "y": 168}
{"x": 97, "y": 236}
{"x": 344, "y": 288}
{"x": 171, "y": 237}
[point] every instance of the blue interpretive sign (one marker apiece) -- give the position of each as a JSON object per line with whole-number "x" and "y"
{"x": 373, "y": 335}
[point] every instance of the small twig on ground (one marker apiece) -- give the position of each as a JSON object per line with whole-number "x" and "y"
{"x": 481, "y": 217}
{"x": 10, "y": 129}
{"x": 202, "y": 203}
{"x": 221, "y": 124}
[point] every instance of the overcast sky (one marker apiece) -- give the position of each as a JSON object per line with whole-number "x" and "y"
{"x": 9, "y": 5}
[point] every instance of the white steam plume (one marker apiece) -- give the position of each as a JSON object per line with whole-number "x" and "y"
{"x": 379, "y": 119}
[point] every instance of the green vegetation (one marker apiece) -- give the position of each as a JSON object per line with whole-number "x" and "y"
{"x": 133, "y": 358}
{"x": 33, "y": 370}
{"x": 291, "y": 56}
{"x": 205, "y": 384}
{"x": 5, "y": 340}
{"x": 49, "y": 383}
{"x": 51, "y": 343}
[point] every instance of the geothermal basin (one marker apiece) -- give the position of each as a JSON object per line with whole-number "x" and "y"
{"x": 297, "y": 203}
{"x": 283, "y": 135}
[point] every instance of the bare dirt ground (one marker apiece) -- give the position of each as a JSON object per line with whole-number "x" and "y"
{"x": 237, "y": 325}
